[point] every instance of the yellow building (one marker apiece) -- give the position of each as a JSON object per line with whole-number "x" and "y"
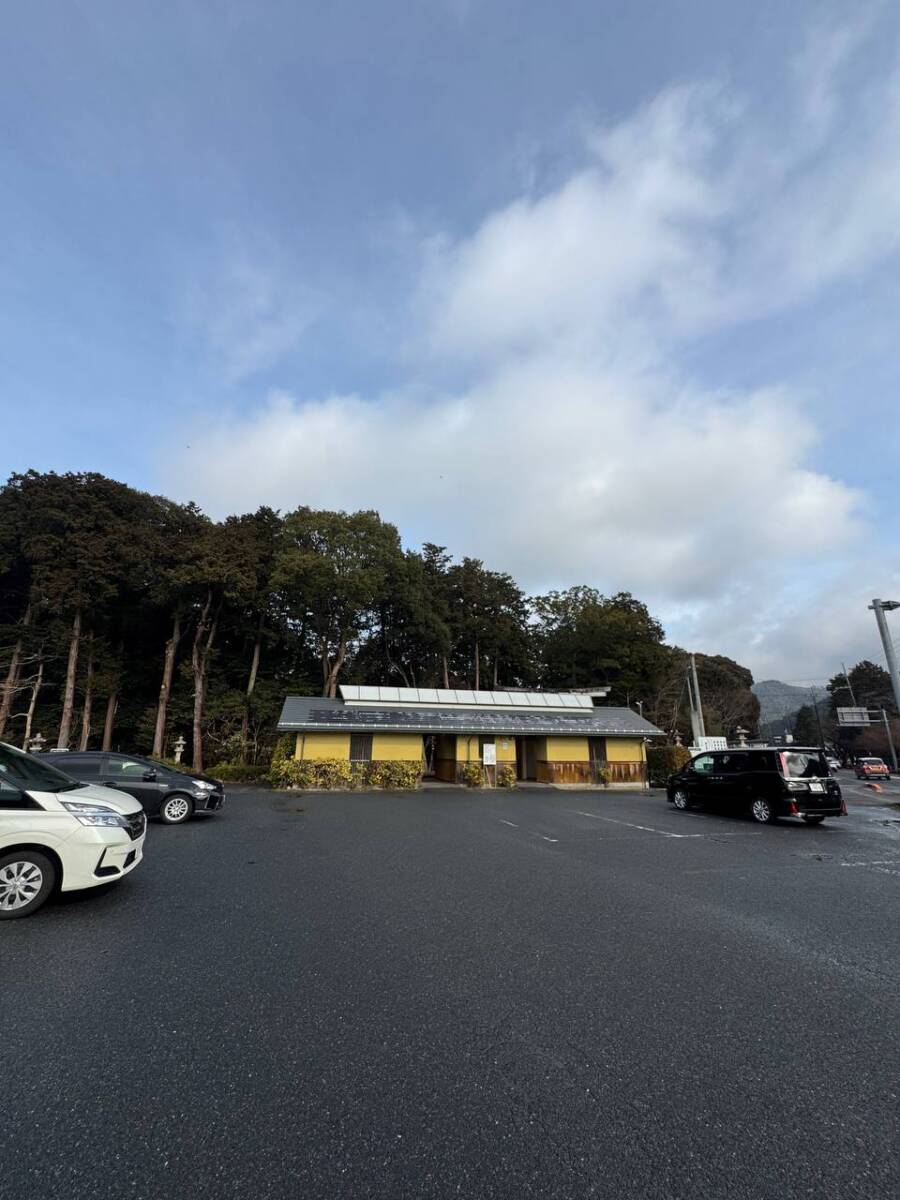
{"x": 550, "y": 737}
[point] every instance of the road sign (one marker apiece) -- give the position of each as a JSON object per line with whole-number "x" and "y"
{"x": 853, "y": 716}
{"x": 712, "y": 743}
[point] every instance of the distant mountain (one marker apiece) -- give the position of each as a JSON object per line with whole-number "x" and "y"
{"x": 778, "y": 700}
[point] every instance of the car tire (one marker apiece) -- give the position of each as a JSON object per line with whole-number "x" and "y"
{"x": 761, "y": 810}
{"x": 26, "y": 880}
{"x": 813, "y": 818}
{"x": 681, "y": 800}
{"x": 176, "y": 809}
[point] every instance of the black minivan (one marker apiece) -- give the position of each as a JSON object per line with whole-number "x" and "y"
{"x": 767, "y": 782}
{"x": 165, "y": 792}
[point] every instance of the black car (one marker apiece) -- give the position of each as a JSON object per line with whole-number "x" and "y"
{"x": 766, "y": 782}
{"x": 164, "y": 791}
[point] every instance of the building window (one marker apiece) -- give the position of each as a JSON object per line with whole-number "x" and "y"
{"x": 360, "y": 747}
{"x": 598, "y": 750}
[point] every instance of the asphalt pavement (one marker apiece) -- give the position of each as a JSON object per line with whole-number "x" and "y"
{"x": 530, "y": 994}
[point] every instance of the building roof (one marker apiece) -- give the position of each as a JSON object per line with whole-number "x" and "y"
{"x": 313, "y": 714}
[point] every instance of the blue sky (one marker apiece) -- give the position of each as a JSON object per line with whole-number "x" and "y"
{"x": 601, "y": 292}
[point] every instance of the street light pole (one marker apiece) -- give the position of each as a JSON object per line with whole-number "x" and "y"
{"x": 880, "y": 607}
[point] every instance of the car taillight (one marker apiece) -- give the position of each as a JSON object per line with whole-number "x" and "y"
{"x": 793, "y": 808}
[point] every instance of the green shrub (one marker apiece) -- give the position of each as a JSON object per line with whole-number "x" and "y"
{"x": 236, "y": 772}
{"x": 333, "y": 773}
{"x": 506, "y": 777}
{"x": 339, "y": 774}
{"x": 176, "y": 766}
{"x": 472, "y": 774}
{"x": 662, "y": 761}
{"x": 394, "y": 775}
{"x": 282, "y": 756}
{"x": 603, "y": 776}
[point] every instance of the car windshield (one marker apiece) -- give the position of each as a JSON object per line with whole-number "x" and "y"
{"x": 872, "y": 762}
{"x": 29, "y": 772}
{"x": 803, "y": 764}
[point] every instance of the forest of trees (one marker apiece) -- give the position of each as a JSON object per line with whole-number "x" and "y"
{"x": 866, "y": 685}
{"x": 127, "y": 620}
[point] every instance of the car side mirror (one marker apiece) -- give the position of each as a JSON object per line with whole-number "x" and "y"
{"x": 150, "y": 776}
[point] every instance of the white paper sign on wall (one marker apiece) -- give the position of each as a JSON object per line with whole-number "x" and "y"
{"x": 489, "y": 754}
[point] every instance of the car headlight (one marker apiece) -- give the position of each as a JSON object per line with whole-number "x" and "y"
{"x": 202, "y": 786}
{"x": 95, "y": 814}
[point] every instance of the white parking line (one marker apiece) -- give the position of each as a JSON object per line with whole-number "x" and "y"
{"x": 630, "y": 825}
{"x": 513, "y": 825}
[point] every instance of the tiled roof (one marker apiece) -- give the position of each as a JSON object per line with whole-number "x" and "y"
{"x": 306, "y": 714}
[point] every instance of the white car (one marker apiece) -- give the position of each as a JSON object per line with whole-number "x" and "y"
{"x": 56, "y": 833}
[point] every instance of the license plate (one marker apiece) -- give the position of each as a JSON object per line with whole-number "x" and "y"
{"x": 817, "y": 787}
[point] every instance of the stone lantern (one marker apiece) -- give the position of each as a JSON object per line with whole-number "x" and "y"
{"x": 179, "y": 748}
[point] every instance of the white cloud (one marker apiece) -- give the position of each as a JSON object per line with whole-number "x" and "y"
{"x": 579, "y": 452}
{"x": 246, "y": 307}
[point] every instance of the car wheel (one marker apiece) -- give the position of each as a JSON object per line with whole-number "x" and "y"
{"x": 176, "y": 809}
{"x": 763, "y": 812}
{"x": 26, "y": 880}
{"x": 680, "y": 800}
{"x": 813, "y": 818}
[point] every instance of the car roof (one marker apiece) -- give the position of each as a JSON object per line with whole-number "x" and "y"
{"x": 65, "y": 755}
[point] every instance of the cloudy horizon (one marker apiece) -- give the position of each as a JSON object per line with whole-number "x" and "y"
{"x": 629, "y": 329}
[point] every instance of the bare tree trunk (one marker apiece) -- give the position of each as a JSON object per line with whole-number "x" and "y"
{"x": 165, "y": 690}
{"x": 12, "y": 675}
{"x": 29, "y": 716}
{"x": 65, "y": 724}
{"x": 112, "y": 703}
{"x": 331, "y": 686}
{"x": 88, "y": 699}
{"x": 496, "y": 669}
{"x": 331, "y": 670}
{"x": 446, "y": 673}
{"x": 326, "y": 665}
{"x": 203, "y": 642}
{"x": 477, "y": 667}
{"x": 251, "y": 684}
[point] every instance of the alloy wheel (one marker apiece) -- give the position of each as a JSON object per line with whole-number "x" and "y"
{"x": 762, "y": 811}
{"x": 20, "y": 882}
{"x": 680, "y": 800}
{"x": 177, "y": 809}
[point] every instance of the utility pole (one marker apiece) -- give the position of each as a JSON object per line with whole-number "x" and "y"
{"x": 701, "y": 728}
{"x": 812, "y": 695}
{"x": 880, "y": 607}
{"x": 849, "y": 685}
{"x": 890, "y": 738}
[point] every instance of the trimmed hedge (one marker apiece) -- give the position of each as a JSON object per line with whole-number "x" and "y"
{"x": 186, "y": 768}
{"x": 236, "y": 772}
{"x": 662, "y": 761}
{"x": 334, "y": 774}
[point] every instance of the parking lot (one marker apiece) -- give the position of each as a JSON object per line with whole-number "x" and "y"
{"x": 540, "y": 993}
